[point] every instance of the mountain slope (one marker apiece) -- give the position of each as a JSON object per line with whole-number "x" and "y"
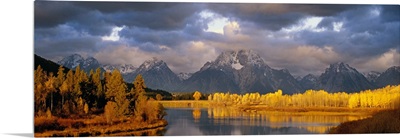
{"x": 390, "y": 77}
{"x": 123, "y": 68}
{"x": 157, "y": 75}
{"x": 340, "y": 77}
{"x": 206, "y": 82}
{"x": 47, "y": 65}
{"x": 184, "y": 76}
{"x": 74, "y": 60}
{"x": 372, "y": 76}
{"x": 308, "y": 82}
{"x": 239, "y": 72}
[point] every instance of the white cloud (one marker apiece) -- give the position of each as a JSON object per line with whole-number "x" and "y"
{"x": 310, "y": 23}
{"x": 337, "y": 26}
{"x": 114, "y": 36}
{"x": 216, "y": 22}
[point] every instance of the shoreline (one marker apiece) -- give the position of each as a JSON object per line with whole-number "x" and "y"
{"x": 313, "y": 110}
{"x": 289, "y": 110}
{"x": 124, "y": 128}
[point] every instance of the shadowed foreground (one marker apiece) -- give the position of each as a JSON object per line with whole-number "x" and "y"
{"x": 97, "y": 126}
{"x": 382, "y": 122}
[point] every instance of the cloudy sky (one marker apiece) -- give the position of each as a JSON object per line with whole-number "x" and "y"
{"x": 304, "y": 38}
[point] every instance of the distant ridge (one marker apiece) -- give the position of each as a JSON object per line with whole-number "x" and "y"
{"x": 238, "y": 71}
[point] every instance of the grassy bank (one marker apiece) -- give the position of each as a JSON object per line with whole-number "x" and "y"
{"x": 382, "y": 122}
{"x": 94, "y": 126}
{"x": 185, "y": 104}
{"x": 312, "y": 110}
{"x": 264, "y": 108}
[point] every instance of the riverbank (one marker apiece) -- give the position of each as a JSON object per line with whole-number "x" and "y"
{"x": 264, "y": 108}
{"x": 185, "y": 104}
{"x": 95, "y": 126}
{"x": 382, "y": 122}
{"x": 312, "y": 110}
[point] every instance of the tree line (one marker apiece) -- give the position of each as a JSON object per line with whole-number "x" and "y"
{"x": 386, "y": 97}
{"x": 76, "y": 94}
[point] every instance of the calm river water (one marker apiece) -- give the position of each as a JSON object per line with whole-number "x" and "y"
{"x": 222, "y": 121}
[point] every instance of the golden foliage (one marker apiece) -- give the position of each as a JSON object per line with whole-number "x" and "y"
{"x": 110, "y": 111}
{"x": 196, "y": 95}
{"x": 387, "y": 97}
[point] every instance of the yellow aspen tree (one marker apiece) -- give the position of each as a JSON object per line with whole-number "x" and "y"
{"x": 50, "y": 88}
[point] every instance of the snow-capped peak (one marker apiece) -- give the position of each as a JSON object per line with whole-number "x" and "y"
{"x": 90, "y": 61}
{"x": 341, "y": 67}
{"x": 310, "y": 77}
{"x": 123, "y": 68}
{"x": 184, "y": 76}
{"x": 372, "y": 75}
{"x": 236, "y": 60}
{"x": 72, "y": 61}
{"x": 152, "y": 63}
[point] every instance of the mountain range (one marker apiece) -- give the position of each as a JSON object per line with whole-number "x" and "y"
{"x": 240, "y": 72}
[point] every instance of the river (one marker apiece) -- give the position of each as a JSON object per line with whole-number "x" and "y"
{"x": 222, "y": 121}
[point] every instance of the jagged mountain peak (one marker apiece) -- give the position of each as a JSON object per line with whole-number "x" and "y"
{"x": 123, "y": 68}
{"x": 389, "y": 77}
{"x": 394, "y": 68}
{"x": 310, "y": 77}
{"x": 184, "y": 76}
{"x": 372, "y": 76}
{"x": 91, "y": 60}
{"x": 340, "y": 67}
{"x": 235, "y": 60}
{"x": 72, "y": 61}
{"x": 342, "y": 77}
{"x": 151, "y": 63}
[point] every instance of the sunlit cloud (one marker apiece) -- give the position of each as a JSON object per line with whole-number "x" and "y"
{"x": 114, "y": 36}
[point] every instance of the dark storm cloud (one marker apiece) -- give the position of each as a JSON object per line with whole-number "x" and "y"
{"x": 143, "y": 35}
{"x": 65, "y": 47}
{"x": 157, "y": 16}
{"x": 276, "y": 16}
{"x": 52, "y": 13}
{"x": 171, "y": 29}
{"x": 192, "y": 31}
{"x": 390, "y": 13}
{"x": 364, "y": 32}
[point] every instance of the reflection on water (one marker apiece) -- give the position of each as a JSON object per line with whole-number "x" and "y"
{"x": 223, "y": 121}
{"x": 196, "y": 114}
